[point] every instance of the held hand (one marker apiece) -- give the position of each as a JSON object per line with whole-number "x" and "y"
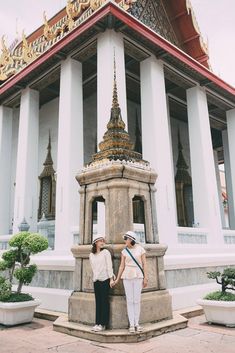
{"x": 114, "y": 283}
{"x": 145, "y": 282}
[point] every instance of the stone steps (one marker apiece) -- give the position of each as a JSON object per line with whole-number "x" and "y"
{"x": 62, "y": 325}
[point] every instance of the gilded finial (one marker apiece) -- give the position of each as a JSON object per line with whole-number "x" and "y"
{"x": 116, "y": 117}
{"x": 116, "y": 142}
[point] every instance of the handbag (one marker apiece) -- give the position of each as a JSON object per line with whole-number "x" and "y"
{"x": 133, "y": 258}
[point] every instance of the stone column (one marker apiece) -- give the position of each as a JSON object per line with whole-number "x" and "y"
{"x": 70, "y": 153}
{"x": 6, "y": 117}
{"x": 157, "y": 148}
{"x": 26, "y": 191}
{"x": 229, "y": 150}
{"x": 205, "y": 191}
{"x": 109, "y": 43}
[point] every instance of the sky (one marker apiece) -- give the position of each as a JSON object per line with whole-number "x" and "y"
{"x": 215, "y": 19}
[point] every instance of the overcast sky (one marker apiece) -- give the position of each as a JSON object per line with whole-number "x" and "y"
{"x": 215, "y": 18}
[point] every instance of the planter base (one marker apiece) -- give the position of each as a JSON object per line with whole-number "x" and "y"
{"x": 219, "y": 312}
{"x": 17, "y": 313}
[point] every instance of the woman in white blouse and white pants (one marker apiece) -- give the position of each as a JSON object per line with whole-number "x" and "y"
{"x": 102, "y": 268}
{"x": 134, "y": 279}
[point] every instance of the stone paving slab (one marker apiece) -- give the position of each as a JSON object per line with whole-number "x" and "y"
{"x": 39, "y": 337}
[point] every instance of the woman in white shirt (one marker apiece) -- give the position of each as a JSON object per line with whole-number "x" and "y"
{"x": 133, "y": 271}
{"x": 102, "y": 268}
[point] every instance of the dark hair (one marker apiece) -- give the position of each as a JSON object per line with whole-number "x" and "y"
{"x": 94, "y": 248}
{"x": 132, "y": 241}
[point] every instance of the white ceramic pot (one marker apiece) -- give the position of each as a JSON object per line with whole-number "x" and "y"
{"x": 219, "y": 312}
{"x": 17, "y": 313}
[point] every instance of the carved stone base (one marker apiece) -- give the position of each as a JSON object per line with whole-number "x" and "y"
{"x": 155, "y": 306}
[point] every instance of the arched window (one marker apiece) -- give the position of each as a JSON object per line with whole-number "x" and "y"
{"x": 139, "y": 218}
{"x": 98, "y": 216}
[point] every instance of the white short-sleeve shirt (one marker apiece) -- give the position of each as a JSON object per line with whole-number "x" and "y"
{"x": 131, "y": 269}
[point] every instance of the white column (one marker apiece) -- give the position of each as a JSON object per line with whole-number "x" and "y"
{"x": 108, "y": 43}
{"x": 6, "y": 117}
{"x": 217, "y": 172}
{"x": 205, "y": 192}
{"x": 26, "y": 191}
{"x": 70, "y": 153}
{"x": 157, "y": 148}
{"x": 229, "y": 149}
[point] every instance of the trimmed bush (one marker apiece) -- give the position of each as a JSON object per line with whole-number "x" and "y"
{"x": 16, "y": 264}
{"x": 221, "y": 296}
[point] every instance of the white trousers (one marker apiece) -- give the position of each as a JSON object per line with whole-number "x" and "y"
{"x": 133, "y": 289}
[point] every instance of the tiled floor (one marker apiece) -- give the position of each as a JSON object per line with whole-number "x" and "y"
{"x": 39, "y": 337}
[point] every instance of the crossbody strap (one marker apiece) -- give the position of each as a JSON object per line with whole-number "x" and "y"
{"x": 133, "y": 258}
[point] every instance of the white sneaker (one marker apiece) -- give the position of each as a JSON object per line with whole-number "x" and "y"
{"x": 131, "y": 329}
{"x": 95, "y": 328}
{"x": 99, "y": 328}
{"x": 139, "y": 328}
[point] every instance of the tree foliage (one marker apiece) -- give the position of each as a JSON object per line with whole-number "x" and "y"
{"x": 226, "y": 279}
{"x": 16, "y": 261}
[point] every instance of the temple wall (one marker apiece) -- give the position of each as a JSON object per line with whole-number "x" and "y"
{"x": 54, "y": 284}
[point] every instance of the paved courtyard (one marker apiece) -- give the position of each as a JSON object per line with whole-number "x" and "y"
{"x": 39, "y": 337}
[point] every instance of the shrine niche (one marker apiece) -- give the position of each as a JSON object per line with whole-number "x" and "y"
{"x": 47, "y": 187}
{"x": 183, "y": 188}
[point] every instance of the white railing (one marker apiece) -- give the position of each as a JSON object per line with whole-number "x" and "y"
{"x": 4, "y": 240}
{"x": 229, "y": 236}
{"x": 187, "y": 235}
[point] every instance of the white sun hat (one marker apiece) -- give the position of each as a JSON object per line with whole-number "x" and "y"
{"x": 97, "y": 237}
{"x": 131, "y": 235}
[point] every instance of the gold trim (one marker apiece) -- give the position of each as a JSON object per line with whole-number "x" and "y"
{"x": 76, "y": 13}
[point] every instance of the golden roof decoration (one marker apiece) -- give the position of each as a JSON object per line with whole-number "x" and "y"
{"x": 116, "y": 144}
{"x": 77, "y": 11}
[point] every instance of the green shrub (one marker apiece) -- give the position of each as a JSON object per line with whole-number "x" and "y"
{"x": 223, "y": 296}
{"x": 16, "y": 263}
{"x": 5, "y": 289}
{"x": 18, "y": 297}
{"x": 226, "y": 279}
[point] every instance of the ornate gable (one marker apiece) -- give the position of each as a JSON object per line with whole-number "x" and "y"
{"x": 153, "y": 15}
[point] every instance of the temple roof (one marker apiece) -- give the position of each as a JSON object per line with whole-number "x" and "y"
{"x": 175, "y": 23}
{"x": 78, "y": 22}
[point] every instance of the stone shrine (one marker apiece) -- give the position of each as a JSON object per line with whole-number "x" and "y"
{"x": 121, "y": 178}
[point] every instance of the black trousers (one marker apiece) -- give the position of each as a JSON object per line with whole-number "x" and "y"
{"x": 101, "y": 289}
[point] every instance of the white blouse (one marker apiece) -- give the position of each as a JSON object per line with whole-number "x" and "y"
{"x": 131, "y": 269}
{"x": 101, "y": 264}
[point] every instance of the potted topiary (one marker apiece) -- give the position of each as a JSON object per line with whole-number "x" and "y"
{"x": 17, "y": 307}
{"x": 219, "y": 306}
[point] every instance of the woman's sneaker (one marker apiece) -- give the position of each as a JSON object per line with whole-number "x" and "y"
{"x": 132, "y": 329}
{"x": 99, "y": 328}
{"x": 95, "y": 328}
{"x": 102, "y": 328}
{"x": 139, "y": 328}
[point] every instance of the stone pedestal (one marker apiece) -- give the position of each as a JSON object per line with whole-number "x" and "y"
{"x": 118, "y": 183}
{"x": 155, "y": 300}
